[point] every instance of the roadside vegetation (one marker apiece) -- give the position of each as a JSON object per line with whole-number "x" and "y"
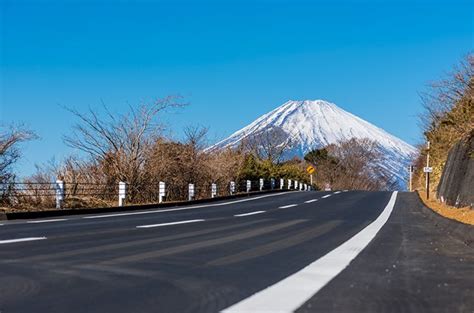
{"x": 133, "y": 147}
{"x": 447, "y": 118}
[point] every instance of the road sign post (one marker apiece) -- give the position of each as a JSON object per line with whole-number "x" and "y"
{"x": 310, "y": 169}
{"x": 428, "y": 170}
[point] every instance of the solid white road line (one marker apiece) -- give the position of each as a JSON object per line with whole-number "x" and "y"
{"x": 288, "y": 206}
{"x": 185, "y": 208}
{"x": 311, "y": 201}
{"x": 169, "y": 224}
{"x": 47, "y": 221}
{"x": 21, "y": 240}
{"x": 326, "y": 196}
{"x": 248, "y": 214}
{"x": 292, "y": 292}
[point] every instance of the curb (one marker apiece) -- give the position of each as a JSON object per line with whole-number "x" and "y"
{"x": 67, "y": 212}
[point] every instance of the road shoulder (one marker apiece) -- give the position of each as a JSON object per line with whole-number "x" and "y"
{"x": 419, "y": 262}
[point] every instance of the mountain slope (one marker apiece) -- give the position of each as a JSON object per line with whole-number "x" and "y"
{"x": 315, "y": 124}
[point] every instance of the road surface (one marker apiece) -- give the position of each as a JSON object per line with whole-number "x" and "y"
{"x": 297, "y": 251}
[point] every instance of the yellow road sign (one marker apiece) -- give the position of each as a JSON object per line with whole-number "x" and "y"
{"x": 310, "y": 169}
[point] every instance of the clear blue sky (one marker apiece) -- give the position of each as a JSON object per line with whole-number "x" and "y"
{"x": 232, "y": 60}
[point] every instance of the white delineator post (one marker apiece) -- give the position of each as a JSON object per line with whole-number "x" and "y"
{"x": 232, "y": 187}
{"x": 261, "y": 184}
{"x": 289, "y": 183}
{"x": 296, "y": 185}
{"x": 161, "y": 191}
{"x": 191, "y": 192}
{"x": 249, "y": 186}
{"x": 59, "y": 194}
{"x": 282, "y": 183}
{"x": 213, "y": 190}
{"x": 122, "y": 193}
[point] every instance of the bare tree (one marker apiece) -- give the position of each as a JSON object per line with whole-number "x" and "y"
{"x": 119, "y": 143}
{"x": 442, "y": 96}
{"x": 270, "y": 144}
{"x": 10, "y": 153}
{"x": 352, "y": 164}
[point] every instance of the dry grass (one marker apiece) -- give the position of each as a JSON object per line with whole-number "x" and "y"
{"x": 463, "y": 215}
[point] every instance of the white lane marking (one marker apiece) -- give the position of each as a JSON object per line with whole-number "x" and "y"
{"x": 337, "y": 192}
{"x": 326, "y": 196}
{"x": 288, "y": 206}
{"x": 47, "y": 221}
{"x": 292, "y": 292}
{"x": 185, "y": 208}
{"x": 169, "y": 224}
{"x": 311, "y": 201}
{"x": 250, "y": 213}
{"x": 21, "y": 240}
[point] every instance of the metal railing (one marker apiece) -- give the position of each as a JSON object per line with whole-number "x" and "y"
{"x": 62, "y": 194}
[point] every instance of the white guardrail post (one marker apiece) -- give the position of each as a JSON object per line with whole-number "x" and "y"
{"x": 122, "y": 193}
{"x": 213, "y": 190}
{"x": 249, "y": 186}
{"x": 261, "y": 184}
{"x": 59, "y": 194}
{"x": 161, "y": 191}
{"x": 282, "y": 183}
{"x": 232, "y": 187}
{"x": 289, "y": 183}
{"x": 191, "y": 192}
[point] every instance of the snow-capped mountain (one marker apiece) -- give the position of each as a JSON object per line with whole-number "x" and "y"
{"x": 313, "y": 124}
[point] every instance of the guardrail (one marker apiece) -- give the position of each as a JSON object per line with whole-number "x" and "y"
{"x": 61, "y": 194}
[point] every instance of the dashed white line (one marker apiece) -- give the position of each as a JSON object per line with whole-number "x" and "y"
{"x": 326, "y": 196}
{"x": 47, "y": 221}
{"x": 21, "y": 240}
{"x": 311, "y": 201}
{"x": 250, "y": 213}
{"x": 169, "y": 224}
{"x": 292, "y": 292}
{"x": 184, "y": 208}
{"x": 288, "y": 206}
{"x": 337, "y": 192}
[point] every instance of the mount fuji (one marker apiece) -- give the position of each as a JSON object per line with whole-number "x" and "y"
{"x": 313, "y": 124}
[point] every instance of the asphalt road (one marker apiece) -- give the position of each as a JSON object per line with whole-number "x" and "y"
{"x": 242, "y": 255}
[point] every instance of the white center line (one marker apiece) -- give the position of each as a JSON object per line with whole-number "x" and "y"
{"x": 288, "y": 206}
{"x": 47, "y": 221}
{"x": 21, "y": 240}
{"x": 250, "y": 213}
{"x": 292, "y": 292}
{"x": 326, "y": 196}
{"x": 169, "y": 224}
{"x": 311, "y": 201}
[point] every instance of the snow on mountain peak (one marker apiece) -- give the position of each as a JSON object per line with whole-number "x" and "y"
{"x": 313, "y": 124}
